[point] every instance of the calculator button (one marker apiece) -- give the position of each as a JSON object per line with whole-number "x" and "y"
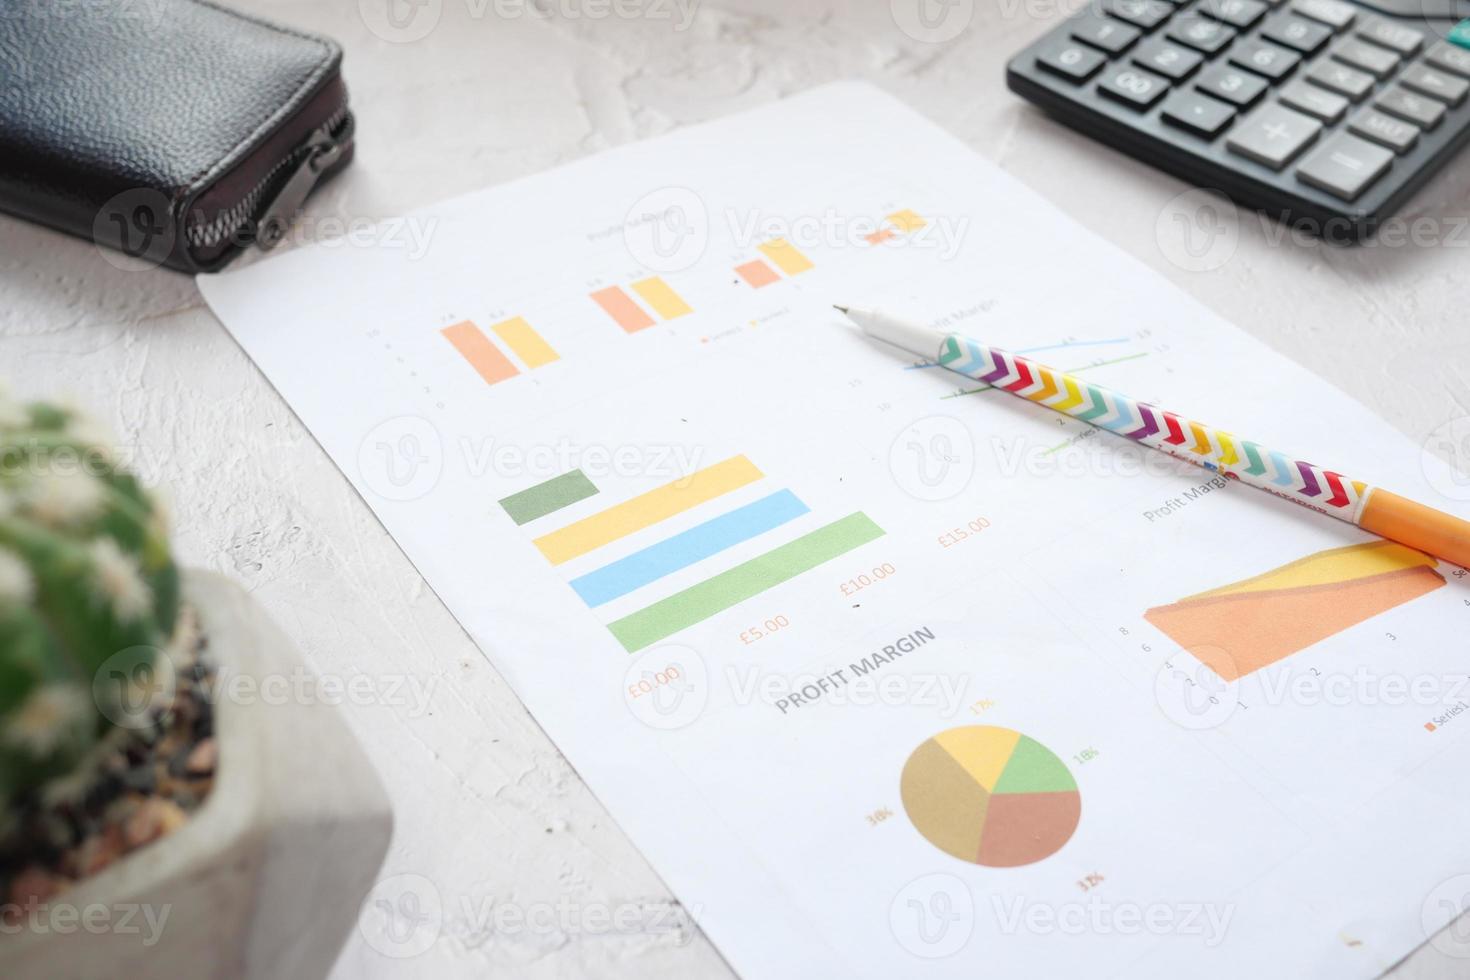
{"x": 1146, "y": 14}
{"x": 1271, "y": 60}
{"x": 1071, "y": 61}
{"x": 1342, "y": 79}
{"x": 1448, "y": 57}
{"x": 1235, "y": 86}
{"x": 1404, "y": 40}
{"x": 1428, "y": 81}
{"x": 1422, "y": 112}
{"x": 1460, "y": 34}
{"x": 1385, "y": 130}
{"x": 1242, "y": 14}
{"x": 1273, "y": 136}
{"x": 1334, "y": 13}
{"x": 1344, "y": 166}
{"x": 1204, "y": 35}
{"x": 1197, "y": 113}
{"x": 1369, "y": 57}
{"x": 1133, "y": 87}
{"x": 1105, "y": 34}
{"x": 1294, "y": 32}
{"x": 1167, "y": 59}
{"x": 1326, "y": 106}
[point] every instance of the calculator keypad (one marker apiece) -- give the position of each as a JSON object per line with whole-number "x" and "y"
{"x": 1345, "y": 165}
{"x": 1169, "y": 60}
{"x": 1273, "y": 136}
{"x": 1198, "y": 113}
{"x": 1417, "y": 109}
{"x": 1320, "y": 92}
{"x": 1133, "y": 86}
{"x": 1265, "y": 58}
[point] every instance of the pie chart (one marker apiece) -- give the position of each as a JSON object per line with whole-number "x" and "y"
{"x": 990, "y": 796}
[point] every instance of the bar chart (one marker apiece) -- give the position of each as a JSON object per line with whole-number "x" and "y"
{"x": 489, "y": 361}
{"x": 628, "y": 570}
{"x": 626, "y": 312}
{"x": 780, "y": 253}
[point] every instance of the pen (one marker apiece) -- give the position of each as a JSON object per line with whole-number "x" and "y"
{"x": 1372, "y": 508}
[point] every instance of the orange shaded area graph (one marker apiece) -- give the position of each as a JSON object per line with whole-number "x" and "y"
{"x": 1240, "y": 628}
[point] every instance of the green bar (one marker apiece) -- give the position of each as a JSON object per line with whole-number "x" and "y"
{"x": 714, "y": 595}
{"x": 549, "y": 497}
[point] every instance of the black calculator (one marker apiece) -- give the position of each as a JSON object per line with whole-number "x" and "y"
{"x": 1324, "y": 113}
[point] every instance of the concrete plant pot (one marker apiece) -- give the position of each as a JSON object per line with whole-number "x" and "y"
{"x": 265, "y": 880}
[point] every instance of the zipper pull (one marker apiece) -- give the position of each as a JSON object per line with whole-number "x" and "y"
{"x": 322, "y": 151}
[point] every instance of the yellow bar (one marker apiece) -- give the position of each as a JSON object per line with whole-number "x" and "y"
{"x": 906, "y": 221}
{"x": 785, "y": 255}
{"x": 657, "y": 294}
{"x": 525, "y": 342}
{"x": 646, "y": 510}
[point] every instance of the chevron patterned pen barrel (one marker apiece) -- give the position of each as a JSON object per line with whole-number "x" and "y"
{"x": 1215, "y": 449}
{"x": 1325, "y": 491}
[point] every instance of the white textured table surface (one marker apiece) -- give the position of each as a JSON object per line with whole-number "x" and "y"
{"x": 489, "y": 814}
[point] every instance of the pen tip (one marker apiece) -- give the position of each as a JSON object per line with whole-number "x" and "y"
{"x": 839, "y": 309}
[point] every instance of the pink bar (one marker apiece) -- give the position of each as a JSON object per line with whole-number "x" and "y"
{"x": 620, "y": 307}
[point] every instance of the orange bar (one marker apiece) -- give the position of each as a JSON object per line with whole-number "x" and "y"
{"x": 880, "y": 236}
{"x": 757, "y": 273}
{"x": 1443, "y": 535}
{"x": 620, "y": 307}
{"x": 483, "y": 356}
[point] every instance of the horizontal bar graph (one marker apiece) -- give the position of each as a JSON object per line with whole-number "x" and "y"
{"x": 620, "y": 306}
{"x": 659, "y": 295}
{"x": 524, "y": 342}
{"x": 745, "y": 581}
{"x": 686, "y": 548}
{"x": 785, "y": 256}
{"x": 711, "y": 553}
{"x": 646, "y": 510}
{"x": 472, "y": 344}
{"x": 546, "y": 498}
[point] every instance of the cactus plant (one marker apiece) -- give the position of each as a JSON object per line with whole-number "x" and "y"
{"x": 88, "y": 594}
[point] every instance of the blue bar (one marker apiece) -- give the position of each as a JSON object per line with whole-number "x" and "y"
{"x": 684, "y": 549}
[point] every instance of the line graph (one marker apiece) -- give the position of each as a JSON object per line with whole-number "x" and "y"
{"x": 1062, "y": 345}
{"x": 1076, "y": 370}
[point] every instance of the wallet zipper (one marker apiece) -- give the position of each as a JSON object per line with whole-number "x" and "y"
{"x": 305, "y": 164}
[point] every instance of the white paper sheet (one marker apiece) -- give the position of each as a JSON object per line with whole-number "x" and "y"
{"x": 1296, "y": 821}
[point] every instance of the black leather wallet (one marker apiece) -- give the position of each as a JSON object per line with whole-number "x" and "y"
{"x": 175, "y": 130}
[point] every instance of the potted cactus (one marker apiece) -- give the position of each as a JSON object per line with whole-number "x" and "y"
{"x": 149, "y": 822}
